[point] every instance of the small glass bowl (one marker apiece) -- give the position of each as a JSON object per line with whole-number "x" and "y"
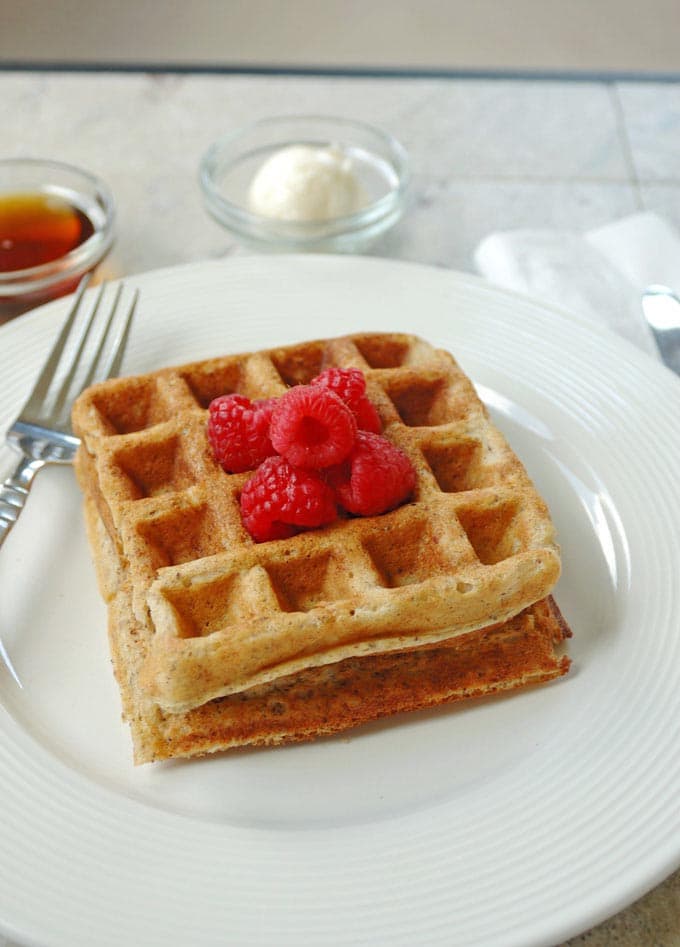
{"x": 24, "y": 289}
{"x": 379, "y": 162}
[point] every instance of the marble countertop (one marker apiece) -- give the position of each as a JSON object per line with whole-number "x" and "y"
{"x": 487, "y": 155}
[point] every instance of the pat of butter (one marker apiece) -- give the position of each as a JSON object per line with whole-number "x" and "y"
{"x": 302, "y": 183}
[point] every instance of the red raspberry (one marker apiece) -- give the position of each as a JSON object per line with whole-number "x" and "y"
{"x": 349, "y": 385}
{"x": 238, "y": 431}
{"x": 279, "y": 500}
{"x": 376, "y": 477}
{"x": 311, "y": 427}
{"x": 367, "y": 417}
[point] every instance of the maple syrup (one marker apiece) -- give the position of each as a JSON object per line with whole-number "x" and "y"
{"x": 37, "y": 228}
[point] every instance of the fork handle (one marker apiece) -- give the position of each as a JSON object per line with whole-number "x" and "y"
{"x": 13, "y": 493}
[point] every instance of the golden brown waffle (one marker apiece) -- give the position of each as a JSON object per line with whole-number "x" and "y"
{"x": 322, "y": 700}
{"x": 223, "y": 614}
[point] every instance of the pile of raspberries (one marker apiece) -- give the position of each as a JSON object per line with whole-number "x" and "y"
{"x": 315, "y": 450}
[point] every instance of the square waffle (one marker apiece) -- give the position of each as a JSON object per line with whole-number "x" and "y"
{"x": 207, "y": 627}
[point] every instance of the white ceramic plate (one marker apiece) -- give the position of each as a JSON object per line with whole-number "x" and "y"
{"x": 516, "y": 821}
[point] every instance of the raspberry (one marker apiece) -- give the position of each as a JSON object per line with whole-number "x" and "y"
{"x": 238, "y": 431}
{"x": 279, "y": 500}
{"x": 349, "y": 385}
{"x": 367, "y": 417}
{"x": 376, "y": 477}
{"x": 312, "y": 427}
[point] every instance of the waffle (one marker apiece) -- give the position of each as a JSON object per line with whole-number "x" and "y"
{"x": 217, "y": 616}
{"x": 325, "y": 700}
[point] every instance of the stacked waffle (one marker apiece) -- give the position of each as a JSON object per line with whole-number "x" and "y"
{"x": 218, "y": 641}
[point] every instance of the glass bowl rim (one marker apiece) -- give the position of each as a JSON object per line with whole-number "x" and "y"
{"x": 229, "y": 213}
{"x": 89, "y": 252}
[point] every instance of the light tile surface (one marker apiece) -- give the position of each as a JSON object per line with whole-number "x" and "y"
{"x": 487, "y": 155}
{"x": 447, "y": 219}
{"x": 651, "y": 115}
{"x": 663, "y": 199}
{"x": 536, "y": 130}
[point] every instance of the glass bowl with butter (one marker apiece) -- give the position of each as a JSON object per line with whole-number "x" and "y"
{"x": 306, "y": 183}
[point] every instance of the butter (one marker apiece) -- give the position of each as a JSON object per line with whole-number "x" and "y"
{"x": 304, "y": 183}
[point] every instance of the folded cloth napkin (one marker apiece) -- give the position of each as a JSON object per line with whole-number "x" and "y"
{"x": 599, "y": 275}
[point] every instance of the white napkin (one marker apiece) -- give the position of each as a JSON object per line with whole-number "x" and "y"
{"x": 599, "y": 275}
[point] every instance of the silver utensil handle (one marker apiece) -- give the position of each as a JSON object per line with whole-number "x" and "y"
{"x": 14, "y": 492}
{"x": 668, "y": 344}
{"x": 661, "y": 308}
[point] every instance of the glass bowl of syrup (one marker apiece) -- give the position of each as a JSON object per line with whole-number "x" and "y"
{"x": 56, "y": 225}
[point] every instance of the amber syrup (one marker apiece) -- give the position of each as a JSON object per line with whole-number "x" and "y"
{"x": 37, "y": 228}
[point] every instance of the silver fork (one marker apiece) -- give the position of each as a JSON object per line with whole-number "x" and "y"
{"x": 42, "y": 432}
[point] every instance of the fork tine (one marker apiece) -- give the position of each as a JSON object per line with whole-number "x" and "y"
{"x": 92, "y": 372}
{"x": 79, "y": 372}
{"x": 62, "y": 395}
{"x": 41, "y": 387}
{"x": 42, "y": 434}
{"x": 112, "y": 368}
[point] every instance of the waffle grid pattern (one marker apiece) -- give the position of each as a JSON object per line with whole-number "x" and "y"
{"x": 474, "y": 547}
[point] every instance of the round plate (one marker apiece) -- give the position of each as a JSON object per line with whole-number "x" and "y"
{"x": 517, "y": 821}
